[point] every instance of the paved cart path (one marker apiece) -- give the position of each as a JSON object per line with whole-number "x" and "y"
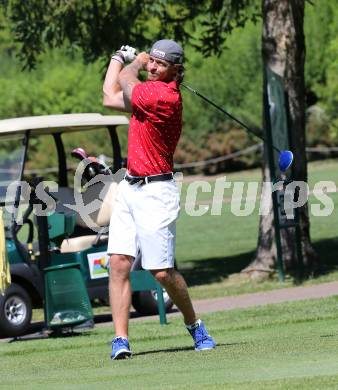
{"x": 267, "y": 297}
{"x": 263, "y": 298}
{"x": 247, "y": 300}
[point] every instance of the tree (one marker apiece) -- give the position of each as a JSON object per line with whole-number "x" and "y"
{"x": 97, "y": 26}
{"x": 283, "y": 49}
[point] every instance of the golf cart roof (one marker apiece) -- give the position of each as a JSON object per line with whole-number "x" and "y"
{"x": 47, "y": 124}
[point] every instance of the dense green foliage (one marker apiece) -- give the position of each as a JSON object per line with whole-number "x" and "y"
{"x": 62, "y": 83}
{"x": 98, "y": 26}
{"x": 321, "y": 70}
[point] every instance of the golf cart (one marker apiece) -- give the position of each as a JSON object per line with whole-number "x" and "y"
{"x": 45, "y": 225}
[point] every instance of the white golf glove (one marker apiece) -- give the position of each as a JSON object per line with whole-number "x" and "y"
{"x": 125, "y": 54}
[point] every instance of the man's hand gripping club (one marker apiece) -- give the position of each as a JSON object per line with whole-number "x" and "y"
{"x": 125, "y": 54}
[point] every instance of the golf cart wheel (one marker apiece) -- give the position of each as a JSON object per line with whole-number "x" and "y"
{"x": 145, "y": 302}
{"x": 15, "y": 311}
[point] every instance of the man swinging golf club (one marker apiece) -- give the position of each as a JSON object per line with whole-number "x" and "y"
{"x": 147, "y": 203}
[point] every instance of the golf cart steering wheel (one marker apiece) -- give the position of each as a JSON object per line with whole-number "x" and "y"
{"x": 26, "y": 216}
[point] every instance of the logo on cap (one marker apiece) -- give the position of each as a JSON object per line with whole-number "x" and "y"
{"x": 158, "y": 53}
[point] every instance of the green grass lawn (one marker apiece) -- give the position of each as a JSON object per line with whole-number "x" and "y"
{"x": 283, "y": 346}
{"x": 228, "y": 235}
{"x": 212, "y": 250}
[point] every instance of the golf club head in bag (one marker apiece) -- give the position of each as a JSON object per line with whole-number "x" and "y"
{"x": 93, "y": 165}
{"x": 79, "y": 153}
{"x": 285, "y": 160}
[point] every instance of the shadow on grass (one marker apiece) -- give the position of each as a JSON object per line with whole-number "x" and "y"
{"x": 40, "y": 334}
{"x": 183, "y": 349}
{"x": 328, "y": 254}
{"x": 212, "y": 270}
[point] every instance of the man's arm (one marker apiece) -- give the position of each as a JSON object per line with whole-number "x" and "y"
{"x": 128, "y": 77}
{"x": 112, "y": 93}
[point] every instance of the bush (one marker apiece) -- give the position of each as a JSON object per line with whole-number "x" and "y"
{"x": 222, "y": 142}
{"x": 60, "y": 85}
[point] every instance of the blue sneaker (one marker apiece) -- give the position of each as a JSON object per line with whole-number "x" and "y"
{"x": 201, "y": 337}
{"x": 121, "y": 349}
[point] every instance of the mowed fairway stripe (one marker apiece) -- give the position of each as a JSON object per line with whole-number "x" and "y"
{"x": 291, "y": 345}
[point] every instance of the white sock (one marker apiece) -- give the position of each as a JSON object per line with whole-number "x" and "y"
{"x": 195, "y": 325}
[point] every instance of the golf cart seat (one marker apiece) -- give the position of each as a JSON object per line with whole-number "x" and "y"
{"x": 100, "y": 217}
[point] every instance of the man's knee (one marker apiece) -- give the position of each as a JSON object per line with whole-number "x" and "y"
{"x": 120, "y": 265}
{"x": 163, "y": 276}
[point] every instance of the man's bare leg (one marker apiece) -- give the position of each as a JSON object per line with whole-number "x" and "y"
{"x": 177, "y": 289}
{"x": 120, "y": 292}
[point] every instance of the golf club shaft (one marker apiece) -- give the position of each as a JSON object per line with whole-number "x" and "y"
{"x": 226, "y": 113}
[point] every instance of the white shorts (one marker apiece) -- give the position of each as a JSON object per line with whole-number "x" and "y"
{"x": 145, "y": 216}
